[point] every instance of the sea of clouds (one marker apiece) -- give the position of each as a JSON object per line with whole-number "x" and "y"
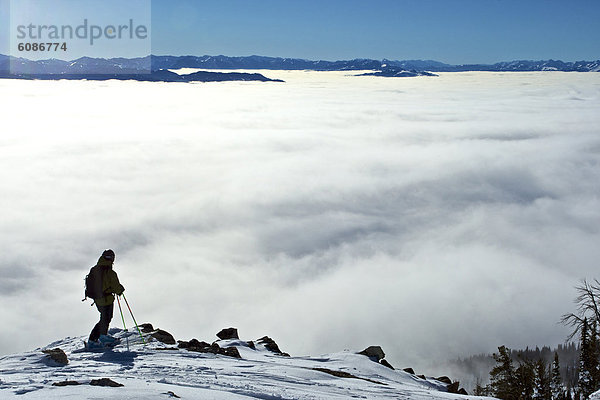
{"x": 436, "y": 216}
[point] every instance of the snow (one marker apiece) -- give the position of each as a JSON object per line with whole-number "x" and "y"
{"x": 156, "y": 371}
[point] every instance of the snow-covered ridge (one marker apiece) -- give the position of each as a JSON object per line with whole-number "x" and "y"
{"x": 157, "y": 370}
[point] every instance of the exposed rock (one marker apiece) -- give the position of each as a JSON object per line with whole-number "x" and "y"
{"x": 444, "y": 379}
{"x": 373, "y": 352}
{"x": 271, "y": 345}
{"x": 409, "y": 370}
{"x": 203, "y": 347}
{"x": 57, "y": 355}
{"x": 230, "y": 352}
{"x": 386, "y": 364}
{"x": 164, "y": 336}
{"x": 105, "y": 382}
{"x": 198, "y": 346}
{"x": 453, "y": 387}
{"x": 343, "y": 374}
{"x": 146, "y": 328}
{"x": 192, "y": 345}
{"x": 171, "y": 394}
{"x": 339, "y": 374}
{"x": 422, "y": 377}
{"x": 197, "y": 343}
{"x": 214, "y": 348}
{"x": 251, "y": 345}
{"x": 66, "y": 383}
{"x": 228, "y": 333}
{"x": 463, "y": 392}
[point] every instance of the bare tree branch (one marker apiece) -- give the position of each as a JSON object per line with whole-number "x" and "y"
{"x": 588, "y": 303}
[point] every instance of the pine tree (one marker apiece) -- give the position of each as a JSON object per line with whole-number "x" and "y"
{"x": 524, "y": 380}
{"x": 480, "y": 389}
{"x": 542, "y": 381}
{"x": 594, "y": 365}
{"x": 587, "y": 362}
{"x": 502, "y": 376}
{"x": 556, "y": 387}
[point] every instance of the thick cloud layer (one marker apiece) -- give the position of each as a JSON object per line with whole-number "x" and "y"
{"x": 436, "y": 217}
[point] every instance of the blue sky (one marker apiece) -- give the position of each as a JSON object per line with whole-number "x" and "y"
{"x": 76, "y": 13}
{"x": 453, "y": 31}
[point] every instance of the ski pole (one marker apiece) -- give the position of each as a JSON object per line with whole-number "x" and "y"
{"x": 123, "y": 318}
{"x": 134, "y": 321}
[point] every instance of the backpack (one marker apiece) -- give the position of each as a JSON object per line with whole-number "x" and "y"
{"x": 93, "y": 283}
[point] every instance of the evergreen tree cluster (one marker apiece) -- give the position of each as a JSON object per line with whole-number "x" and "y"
{"x": 585, "y": 322}
{"x": 537, "y": 380}
{"x": 589, "y": 360}
{"x": 540, "y": 380}
{"x": 569, "y": 372}
{"x": 529, "y": 380}
{"x": 474, "y": 370}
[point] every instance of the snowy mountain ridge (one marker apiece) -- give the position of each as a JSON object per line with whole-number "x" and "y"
{"x": 197, "y": 370}
{"x": 87, "y": 65}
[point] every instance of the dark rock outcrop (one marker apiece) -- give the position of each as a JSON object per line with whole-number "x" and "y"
{"x": 146, "y": 328}
{"x": 213, "y": 348}
{"x": 386, "y": 364}
{"x": 230, "y": 352}
{"x": 105, "y": 382}
{"x": 375, "y": 353}
{"x": 337, "y": 374}
{"x": 66, "y": 383}
{"x": 228, "y": 333}
{"x": 203, "y": 347}
{"x": 193, "y": 345}
{"x": 444, "y": 379}
{"x": 271, "y": 345}
{"x": 343, "y": 374}
{"x": 453, "y": 387}
{"x": 163, "y": 336}
{"x": 409, "y": 370}
{"x": 57, "y": 355}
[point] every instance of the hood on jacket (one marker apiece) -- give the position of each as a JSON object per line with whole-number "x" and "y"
{"x": 103, "y": 262}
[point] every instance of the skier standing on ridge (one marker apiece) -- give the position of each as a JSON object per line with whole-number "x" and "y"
{"x": 107, "y": 284}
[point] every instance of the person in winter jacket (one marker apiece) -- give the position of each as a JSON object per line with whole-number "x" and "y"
{"x": 110, "y": 287}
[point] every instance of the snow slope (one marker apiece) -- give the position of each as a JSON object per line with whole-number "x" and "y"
{"x": 157, "y": 371}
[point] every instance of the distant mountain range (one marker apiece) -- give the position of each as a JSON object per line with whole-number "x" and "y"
{"x": 139, "y": 68}
{"x": 116, "y": 68}
{"x": 259, "y": 62}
